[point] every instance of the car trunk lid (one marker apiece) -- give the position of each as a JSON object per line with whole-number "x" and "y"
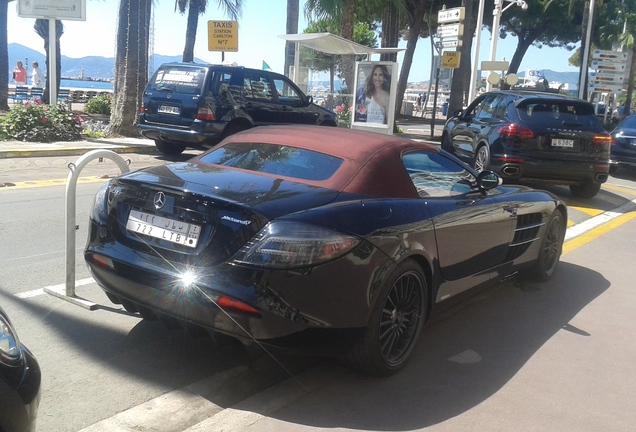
{"x": 197, "y": 214}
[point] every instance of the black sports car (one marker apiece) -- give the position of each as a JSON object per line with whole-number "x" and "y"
{"x": 20, "y": 379}
{"x": 284, "y": 232}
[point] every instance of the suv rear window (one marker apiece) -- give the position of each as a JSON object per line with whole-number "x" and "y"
{"x": 179, "y": 79}
{"x": 275, "y": 159}
{"x": 558, "y": 112}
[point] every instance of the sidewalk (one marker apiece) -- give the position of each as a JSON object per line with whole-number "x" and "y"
{"x": 413, "y": 127}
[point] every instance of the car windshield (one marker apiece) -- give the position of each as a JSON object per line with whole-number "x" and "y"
{"x": 557, "y": 112}
{"x": 179, "y": 79}
{"x": 275, "y": 159}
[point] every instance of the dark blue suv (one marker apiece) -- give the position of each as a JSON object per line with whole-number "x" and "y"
{"x": 195, "y": 105}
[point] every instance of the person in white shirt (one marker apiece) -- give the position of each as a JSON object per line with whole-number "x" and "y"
{"x": 37, "y": 77}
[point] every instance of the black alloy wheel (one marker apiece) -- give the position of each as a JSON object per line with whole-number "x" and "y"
{"x": 551, "y": 248}
{"x": 482, "y": 159}
{"x": 394, "y": 325}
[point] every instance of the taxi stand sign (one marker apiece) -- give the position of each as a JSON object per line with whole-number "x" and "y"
{"x": 223, "y": 36}
{"x": 450, "y": 59}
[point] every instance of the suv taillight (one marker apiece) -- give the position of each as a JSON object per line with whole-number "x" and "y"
{"x": 142, "y": 110}
{"x": 205, "y": 113}
{"x": 515, "y": 131}
{"x": 602, "y": 139}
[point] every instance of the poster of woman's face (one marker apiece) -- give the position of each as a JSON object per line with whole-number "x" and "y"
{"x": 373, "y": 94}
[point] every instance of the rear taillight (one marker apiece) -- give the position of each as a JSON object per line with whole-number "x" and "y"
{"x": 142, "y": 110}
{"x": 515, "y": 131}
{"x": 602, "y": 139}
{"x": 205, "y": 113}
{"x": 230, "y": 304}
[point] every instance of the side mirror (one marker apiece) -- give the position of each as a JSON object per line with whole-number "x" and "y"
{"x": 310, "y": 100}
{"x": 456, "y": 113}
{"x": 488, "y": 179}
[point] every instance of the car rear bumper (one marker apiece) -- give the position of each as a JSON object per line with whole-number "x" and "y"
{"x": 211, "y": 134}
{"x": 550, "y": 171}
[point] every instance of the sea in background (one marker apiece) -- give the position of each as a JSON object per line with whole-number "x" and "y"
{"x": 84, "y": 84}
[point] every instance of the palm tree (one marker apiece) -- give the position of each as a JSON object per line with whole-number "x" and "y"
{"x": 41, "y": 27}
{"x": 131, "y": 65}
{"x": 292, "y": 28}
{"x": 4, "y": 56}
{"x": 233, "y": 9}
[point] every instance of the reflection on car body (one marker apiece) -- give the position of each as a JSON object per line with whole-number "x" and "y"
{"x": 366, "y": 236}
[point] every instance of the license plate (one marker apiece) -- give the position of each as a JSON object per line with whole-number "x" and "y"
{"x": 163, "y": 228}
{"x": 165, "y": 109}
{"x": 562, "y": 142}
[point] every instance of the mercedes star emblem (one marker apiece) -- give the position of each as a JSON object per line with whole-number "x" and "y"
{"x": 160, "y": 200}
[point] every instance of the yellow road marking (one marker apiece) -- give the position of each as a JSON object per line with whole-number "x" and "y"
{"x": 621, "y": 189}
{"x": 587, "y": 210}
{"x": 52, "y": 182}
{"x": 592, "y": 234}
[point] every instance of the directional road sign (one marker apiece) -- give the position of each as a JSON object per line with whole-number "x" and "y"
{"x": 608, "y": 65}
{"x": 605, "y": 88}
{"x": 450, "y": 15}
{"x": 456, "y": 43}
{"x": 608, "y": 79}
{"x": 450, "y": 30}
{"x": 610, "y": 56}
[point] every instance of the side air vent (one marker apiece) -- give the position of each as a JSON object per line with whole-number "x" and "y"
{"x": 526, "y": 232}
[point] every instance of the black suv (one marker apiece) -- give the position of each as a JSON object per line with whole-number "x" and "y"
{"x": 188, "y": 104}
{"x": 532, "y": 137}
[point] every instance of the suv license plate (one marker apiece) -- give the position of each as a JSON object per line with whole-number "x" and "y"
{"x": 562, "y": 142}
{"x": 165, "y": 109}
{"x": 163, "y": 228}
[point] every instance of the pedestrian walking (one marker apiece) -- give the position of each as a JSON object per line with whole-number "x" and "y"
{"x": 19, "y": 74}
{"x": 37, "y": 77}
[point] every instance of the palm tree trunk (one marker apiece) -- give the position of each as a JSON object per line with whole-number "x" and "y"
{"x": 194, "y": 9}
{"x": 630, "y": 85}
{"x": 415, "y": 26}
{"x": 390, "y": 31}
{"x": 4, "y": 57}
{"x": 131, "y": 65}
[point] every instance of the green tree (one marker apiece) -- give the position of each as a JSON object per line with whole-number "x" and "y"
{"x": 233, "y": 9}
{"x": 131, "y": 65}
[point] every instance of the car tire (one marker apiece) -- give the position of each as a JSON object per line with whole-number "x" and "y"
{"x": 446, "y": 143}
{"x": 233, "y": 128}
{"x": 551, "y": 248}
{"x": 394, "y": 324}
{"x": 482, "y": 159}
{"x": 169, "y": 149}
{"x": 585, "y": 190}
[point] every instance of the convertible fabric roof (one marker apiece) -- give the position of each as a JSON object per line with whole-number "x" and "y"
{"x": 372, "y": 162}
{"x": 332, "y": 44}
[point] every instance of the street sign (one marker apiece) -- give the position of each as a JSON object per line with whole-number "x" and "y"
{"x": 223, "y": 36}
{"x": 605, "y": 88}
{"x": 608, "y": 65}
{"x": 495, "y": 65}
{"x": 450, "y": 30}
{"x": 612, "y": 56}
{"x": 450, "y": 59}
{"x": 451, "y": 43}
{"x": 72, "y": 10}
{"x": 450, "y": 15}
{"x": 608, "y": 79}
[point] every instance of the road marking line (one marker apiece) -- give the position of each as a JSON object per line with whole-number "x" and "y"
{"x": 40, "y": 291}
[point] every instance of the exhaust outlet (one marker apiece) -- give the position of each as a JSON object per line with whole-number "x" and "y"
{"x": 510, "y": 170}
{"x": 601, "y": 178}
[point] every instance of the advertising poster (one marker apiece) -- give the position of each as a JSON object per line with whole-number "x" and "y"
{"x": 374, "y": 106}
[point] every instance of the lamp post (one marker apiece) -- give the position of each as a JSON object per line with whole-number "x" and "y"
{"x": 495, "y": 25}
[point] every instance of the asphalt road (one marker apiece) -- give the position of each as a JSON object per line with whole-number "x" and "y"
{"x": 524, "y": 357}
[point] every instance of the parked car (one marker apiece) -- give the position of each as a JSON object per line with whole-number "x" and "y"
{"x": 188, "y": 104}
{"x": 532, "y": 137}
{"x": 20, "y": 379}
{"x": 283, "y": 234}
{"x": 623, "y": 149}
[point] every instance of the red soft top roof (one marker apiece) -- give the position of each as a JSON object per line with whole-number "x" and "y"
{"x": 372, "y": 161}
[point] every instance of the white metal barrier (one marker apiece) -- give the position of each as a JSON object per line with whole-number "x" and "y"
{"x": 71, "y": 186}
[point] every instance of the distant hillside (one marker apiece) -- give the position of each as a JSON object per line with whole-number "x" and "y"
{"x": 562, "y": 77}
{"x": 93, "y": 66}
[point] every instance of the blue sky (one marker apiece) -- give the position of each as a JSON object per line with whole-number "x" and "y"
{"x": 261, "y": 24}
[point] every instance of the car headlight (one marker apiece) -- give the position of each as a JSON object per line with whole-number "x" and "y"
{"x": 286, "y": 245}
{"x": 10, "y": 351}
{"x": 99, "y": 213}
